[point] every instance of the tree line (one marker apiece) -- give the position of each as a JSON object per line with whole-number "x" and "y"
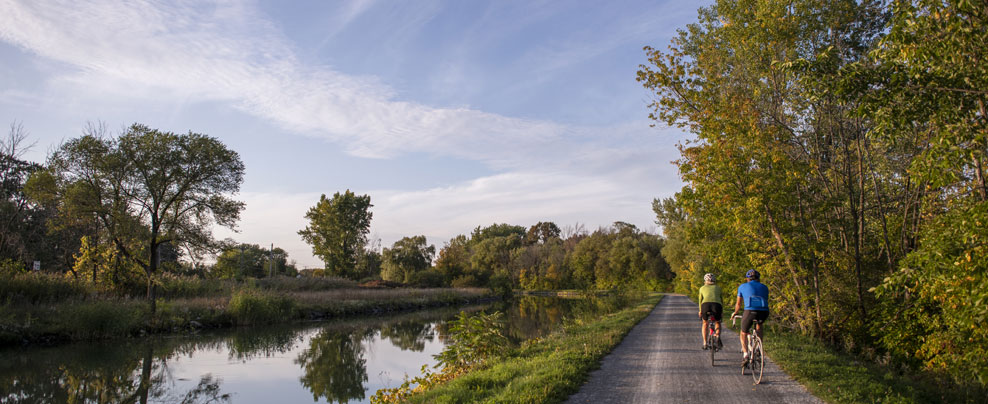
{"x": 120, "y": 211}
{"x": 501, "y": 256}
{"x": 839, "y": 147}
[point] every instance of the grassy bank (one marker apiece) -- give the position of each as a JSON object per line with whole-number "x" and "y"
{"x": 86, "y": 317}
{"x": 548, "y": 369}
{"x": 842, "y": 378}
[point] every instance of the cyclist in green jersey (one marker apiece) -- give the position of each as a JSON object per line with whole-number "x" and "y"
{"x": 710, "y": 302}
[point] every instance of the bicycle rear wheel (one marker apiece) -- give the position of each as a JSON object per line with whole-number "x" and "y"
{"x": 712, "y": 343}
{"x": 757, "y": 364}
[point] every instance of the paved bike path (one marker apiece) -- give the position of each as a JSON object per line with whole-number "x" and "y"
{"x": 661, "y": 361}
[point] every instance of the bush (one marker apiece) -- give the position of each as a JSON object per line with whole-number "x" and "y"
{"x": 427, "y": 279}
{"x": 501, "y": 285}
{"x": 466, "y": 281}
{"x": 250, "y": 306}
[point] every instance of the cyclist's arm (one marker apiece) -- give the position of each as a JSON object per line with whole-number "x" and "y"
{"x": 738, "y": 306}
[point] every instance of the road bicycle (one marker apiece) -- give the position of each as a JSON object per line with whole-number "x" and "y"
{"x": 756, "y": 356}
{"x": 712, "y": 344}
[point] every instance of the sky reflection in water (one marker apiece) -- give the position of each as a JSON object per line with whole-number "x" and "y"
{"x": 343, "y": 361}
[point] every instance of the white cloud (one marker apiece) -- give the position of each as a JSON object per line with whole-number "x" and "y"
{"x": 226, "y": 52}
{"x": 518, "y": 197}
{"x": 191, "y": 51}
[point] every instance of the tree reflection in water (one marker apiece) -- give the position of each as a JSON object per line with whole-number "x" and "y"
{"x": 129, "y": 373}
{"x": 334, "y": 365}
{"x": 333, "y": 360}
{"x": 409, "y": 335}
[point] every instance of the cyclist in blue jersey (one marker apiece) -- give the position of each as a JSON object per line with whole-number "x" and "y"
{"x": 753, "y": 297}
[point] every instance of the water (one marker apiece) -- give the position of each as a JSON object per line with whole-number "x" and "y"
{"x": 340, "y": 361}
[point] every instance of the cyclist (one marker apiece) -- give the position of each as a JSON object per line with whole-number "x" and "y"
{"x": 754, "y": 297}
{"x": 710, "y": 302}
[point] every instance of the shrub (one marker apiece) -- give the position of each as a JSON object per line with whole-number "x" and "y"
{"x": 249, "y": 306}
{"x": 427, "y": 279}
{"x": 466, "y": 281}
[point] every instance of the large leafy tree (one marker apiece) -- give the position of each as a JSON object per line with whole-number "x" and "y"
{"x": 780, "y": 175}
{"x": 337, "y": 231}
{"x": 405, "y": 258}
{"x": 927, "y": 88}
{"x": 152, "y": 186}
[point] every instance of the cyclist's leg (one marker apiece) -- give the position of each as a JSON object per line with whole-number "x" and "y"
{"x": 762, "y": 316}
{"x": 746, "y": 320}
{"x": 703, "y": 331}
{"x": 718, "y": 316}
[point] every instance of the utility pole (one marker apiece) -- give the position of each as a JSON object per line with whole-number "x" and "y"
{"x": 271, "y": 261}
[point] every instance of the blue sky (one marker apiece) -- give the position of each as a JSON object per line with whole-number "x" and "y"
{"x": 449, "y": 114}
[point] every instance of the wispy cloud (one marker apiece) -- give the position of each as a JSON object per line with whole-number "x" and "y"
{"x": 225, "y": 51}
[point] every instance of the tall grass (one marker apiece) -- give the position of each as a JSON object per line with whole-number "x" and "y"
{"x": 41, "y": 288}
{"x": 250, "y": 306}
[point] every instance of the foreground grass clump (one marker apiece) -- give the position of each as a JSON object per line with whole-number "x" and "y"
{"x": 251, "y": 306}
{"x": 547, "y": 369}
{"x": 842, "y": 378}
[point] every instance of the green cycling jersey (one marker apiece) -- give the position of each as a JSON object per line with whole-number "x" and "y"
{"x": 710, "y": 294}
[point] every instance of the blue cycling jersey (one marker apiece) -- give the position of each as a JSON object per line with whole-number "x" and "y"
{"x": 755, "y": 296}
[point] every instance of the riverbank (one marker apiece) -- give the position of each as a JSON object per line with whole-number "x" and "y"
{"x": 95, "y": 318}
{"x": 546, "y": 369}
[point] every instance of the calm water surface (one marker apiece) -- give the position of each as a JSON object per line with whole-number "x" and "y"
{"x": 341, "y": 361}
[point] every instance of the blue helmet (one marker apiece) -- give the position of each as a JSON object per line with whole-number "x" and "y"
{"x": 752, "y": 274}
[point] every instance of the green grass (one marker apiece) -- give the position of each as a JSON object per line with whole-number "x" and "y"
{"x": 548, "y": 369}
{"x": 838, "y": 377}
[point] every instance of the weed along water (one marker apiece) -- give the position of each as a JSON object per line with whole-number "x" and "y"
{"x": 343, "y": 361}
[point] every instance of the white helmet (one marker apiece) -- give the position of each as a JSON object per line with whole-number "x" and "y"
{"x": 710, "y": 278}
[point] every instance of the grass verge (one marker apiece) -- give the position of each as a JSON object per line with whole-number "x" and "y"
{"x": 547, "y": 369}
{"x": 838, "y": 377}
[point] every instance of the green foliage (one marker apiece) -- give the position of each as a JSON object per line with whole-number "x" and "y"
{"x": 146, "y": 188}
{"x": 937, "y": 304}
{"x": 251, "y": 260}
{"x": 337, "y": 231}
{"x": 427, "y": 279}
{"x": 406, "y": 258}
{"x": 839, "y": 146}
{"x": 250, "y": 306}
{"x": 838, "y": 377}
{"x": 473, "y": 340}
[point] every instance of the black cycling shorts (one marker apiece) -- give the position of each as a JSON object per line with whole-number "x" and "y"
{"x": 714, "y": 308}
{"x": 749, "y": 316}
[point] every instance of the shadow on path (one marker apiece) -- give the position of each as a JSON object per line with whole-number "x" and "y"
{"x": 661, "y": 360}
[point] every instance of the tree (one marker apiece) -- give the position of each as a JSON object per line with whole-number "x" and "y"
{"x": 251, "y": 260}
{"x": 454, "y": 259}
{"x": 542, "y": 232}
{"x": 153, "y": 186}
{"x": 405, "y": 258}
{"x": 337, "y": 231}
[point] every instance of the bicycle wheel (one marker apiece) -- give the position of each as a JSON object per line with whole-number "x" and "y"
{"x": 712, "y": 343}
{"x": 757, "y": 364}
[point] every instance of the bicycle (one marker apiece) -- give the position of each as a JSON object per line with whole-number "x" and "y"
{"x": 756, "y": 358}
{"x": 712, "y": 345}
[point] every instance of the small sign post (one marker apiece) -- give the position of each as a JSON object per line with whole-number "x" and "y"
{"x": 37, "y": 265}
